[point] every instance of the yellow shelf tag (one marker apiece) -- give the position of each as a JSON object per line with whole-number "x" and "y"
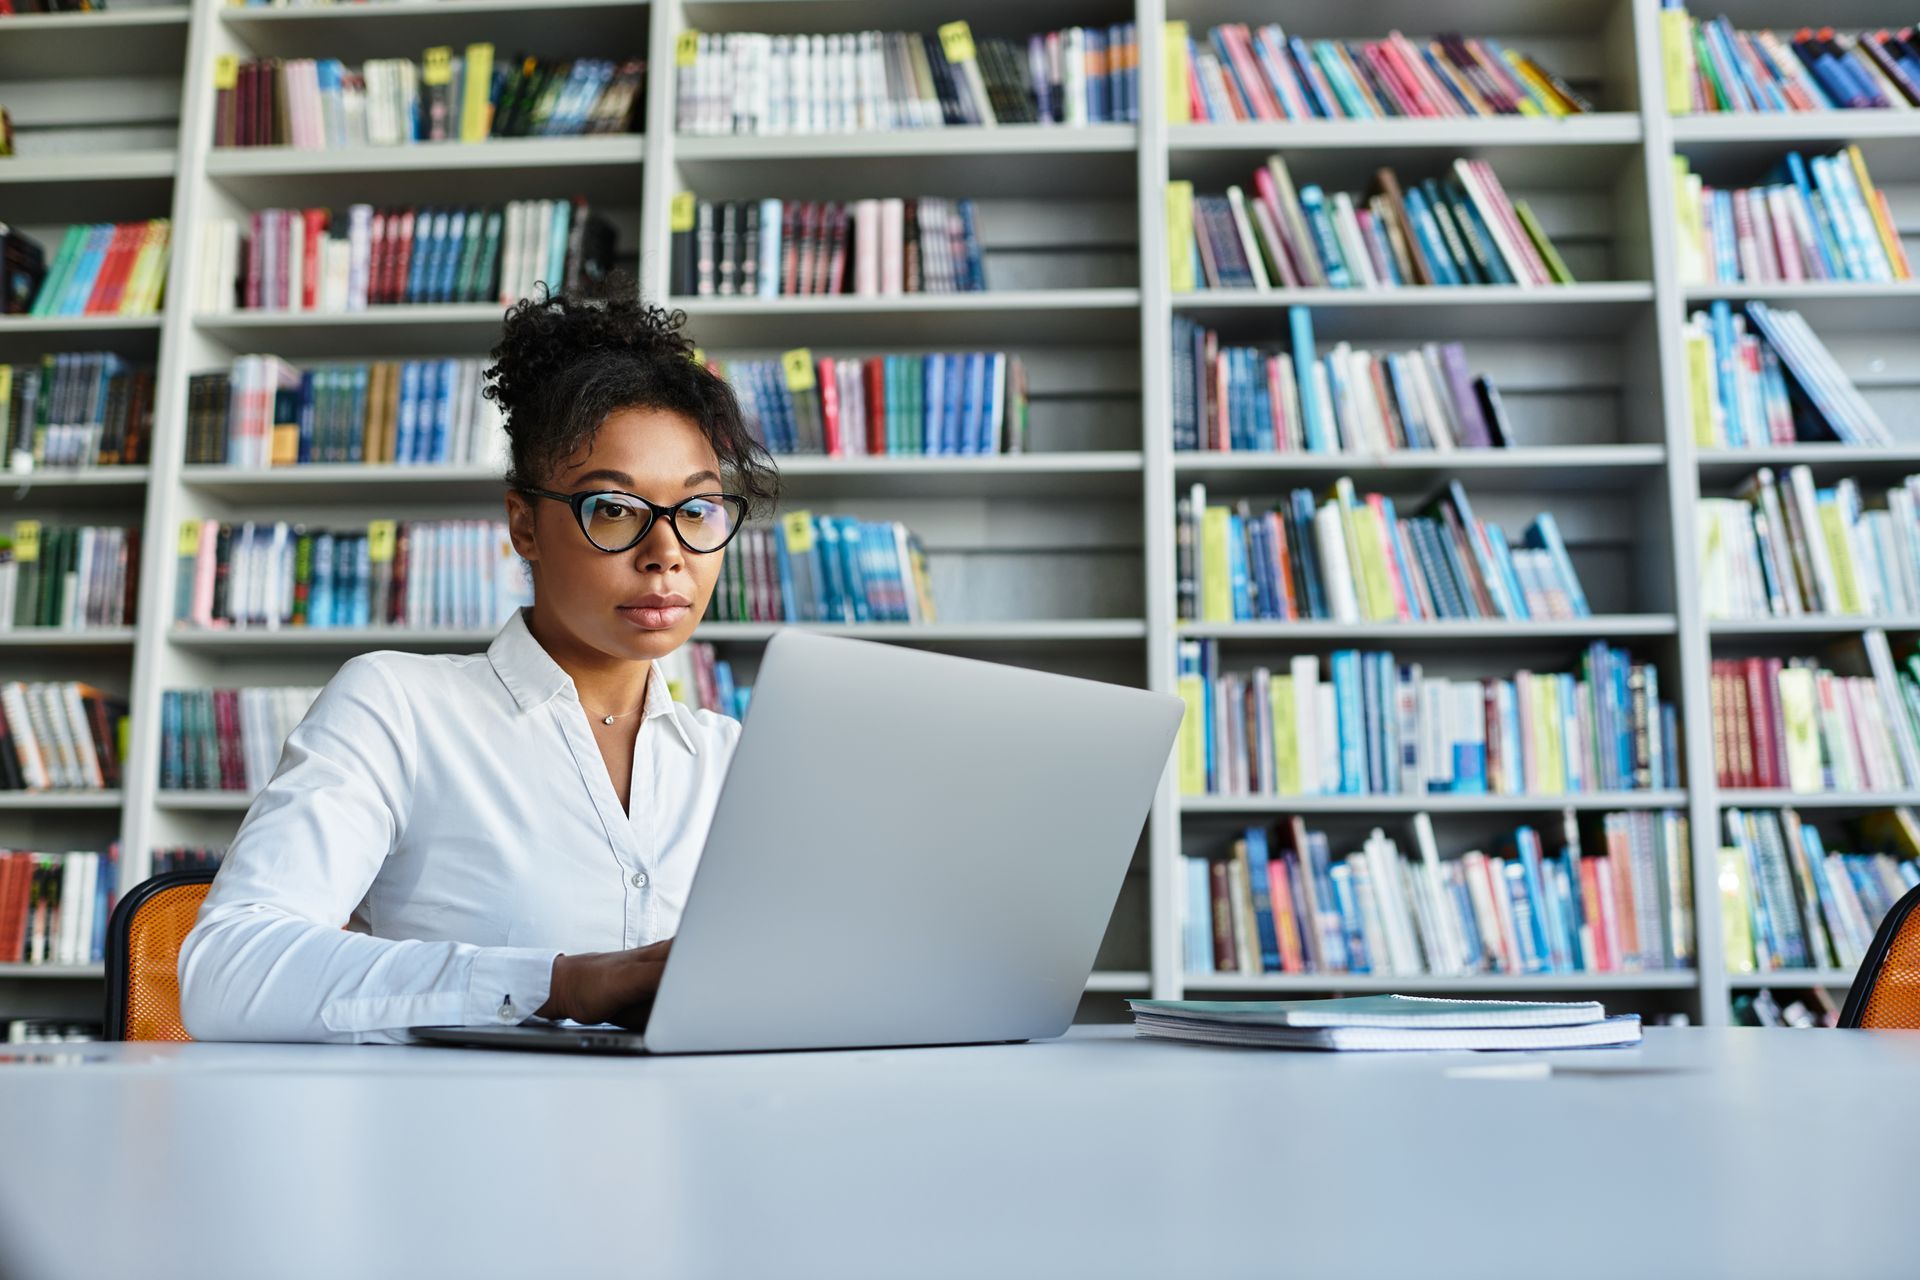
{"x": 686, "y": 50}
{"x": 799, "y": 530}
{"x": 226, "y": 71}
{"x": 26, "y": 541}
{"x": 799, "y": 366}
{"x": 437, "y": 66}
{"x": 381, "y": 535}
{"x": 189, "y": 544}
{"x": 956, "y": 39}
{"x": 680, "y": 216}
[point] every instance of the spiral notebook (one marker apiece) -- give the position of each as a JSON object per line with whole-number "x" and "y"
{"x": 1386, "y": 1023}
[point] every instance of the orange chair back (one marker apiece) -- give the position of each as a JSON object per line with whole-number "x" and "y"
{"x": 1886, "y": 991}
{"x": 143, "y": 955}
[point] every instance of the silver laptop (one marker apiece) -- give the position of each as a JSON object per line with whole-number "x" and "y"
{"x": 909, "y": 849}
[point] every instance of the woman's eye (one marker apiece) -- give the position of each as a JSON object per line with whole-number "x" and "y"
{"x": 696, "y": 511}
{"x": 612, "y": 511}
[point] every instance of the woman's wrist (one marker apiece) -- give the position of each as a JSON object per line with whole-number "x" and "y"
{"x": 559, "y": 990}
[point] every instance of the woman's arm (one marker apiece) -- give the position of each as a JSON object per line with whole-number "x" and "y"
{"x": 268, "y": 960}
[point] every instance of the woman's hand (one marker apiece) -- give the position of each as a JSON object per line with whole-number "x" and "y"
{"x": 607, "y": 986}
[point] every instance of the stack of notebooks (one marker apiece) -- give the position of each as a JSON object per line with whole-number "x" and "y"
{"x": 755, "y": 84}
{"x": 1229, "y": 396}
{"x": 1711, "y": 67}
{"x": 1264, "y": 74}
{"x": 1818, "y": 219}
{"x": 75, "y": 409}
{"x": 1764, "y": 378}
{"x": 1462, "y": 229}
{"x": 316, "y": 104}
{"x": 1373, "y": 1023}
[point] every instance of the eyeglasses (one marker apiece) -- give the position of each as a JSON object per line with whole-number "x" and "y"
{"x": 614, "y": 521}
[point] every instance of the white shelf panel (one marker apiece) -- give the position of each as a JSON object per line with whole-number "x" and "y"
{"x": 1461, "y": 136}
{"x": 74, "y": 478}
{"x": 36, "y": 638}
{"x": 1786, "y": 129}
{"x": 1806, "y": 627}
{"x": 1830, "y": 978}
{"x": 495, "y": 153}
{"x": 1599, "y": 627}
{"x": 448, "y": 328}
{"x": 353, "y": 32}
{"x": 1027, "y": 475}
{"x": 1446, "y": 802}
{"x": 1479, "y": 311}
{"x": 1730, "y": 466}
{"x": 57, "y": 801}
{"x": 1066, "y": 316}
{"x": 62, "y": 169}
{"x": 206, "y": 801}
{"x": 80, "y": 328}
{"x": 1128, "y": 981}
{"x": 53, "y": 972}
{"x": 1545, "y": 469}
{"x": 108, "y": 42}
{"x": 1487, "y": 984}
{"x": 986, "y": 634}
{"x": 603, "y": 168}
{"x": 1003, "y": 142}
{"x": 1755, "y": 798}
{"x": 332, "y": 640}
{"x": 344, "y": 482}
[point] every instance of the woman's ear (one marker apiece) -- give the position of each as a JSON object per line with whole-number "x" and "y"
{"x": 520, "y": 526}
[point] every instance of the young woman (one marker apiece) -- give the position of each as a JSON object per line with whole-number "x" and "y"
{"x": 509, "y": 834}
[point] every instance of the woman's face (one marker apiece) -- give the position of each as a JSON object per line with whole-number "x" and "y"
{"x": 644, "y": 602}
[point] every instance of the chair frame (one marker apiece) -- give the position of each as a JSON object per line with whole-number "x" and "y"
{"x": 118, "y": 929}
{"x": 1868, "y": 976}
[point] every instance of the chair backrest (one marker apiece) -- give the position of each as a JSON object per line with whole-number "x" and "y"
{"x": 143, "y": 955}
{"x": 1886, "y": 991}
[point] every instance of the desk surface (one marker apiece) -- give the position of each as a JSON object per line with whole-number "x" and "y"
{"x": 1704, "y": 1152}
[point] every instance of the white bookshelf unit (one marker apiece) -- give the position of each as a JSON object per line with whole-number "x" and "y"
{"x": 1061, "y": 558}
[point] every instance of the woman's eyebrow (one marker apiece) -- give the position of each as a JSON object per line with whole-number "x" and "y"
{"x": 699, "y": 476}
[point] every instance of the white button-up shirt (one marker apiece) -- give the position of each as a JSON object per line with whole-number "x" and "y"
{"x": 455, "y": 813}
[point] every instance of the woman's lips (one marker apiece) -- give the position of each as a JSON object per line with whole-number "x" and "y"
{"x": 655, "y": 617}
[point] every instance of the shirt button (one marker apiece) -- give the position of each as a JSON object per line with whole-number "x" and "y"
{"x": 639, "y": 880}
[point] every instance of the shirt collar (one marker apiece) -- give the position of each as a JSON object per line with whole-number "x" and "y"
{"x": 534, "y": 678}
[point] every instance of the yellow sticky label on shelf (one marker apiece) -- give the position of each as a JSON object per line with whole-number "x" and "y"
{"x": 956, "y": 40}
{"x": 680, "y": 216}
{"x": 381, "y": 535}
{"x": 26, "y": 541}
{"x": 686, "y": 50}
{"x": 189, "y": 544}
{"x": 799, "y": 530}
{"x": 799, "y": 366}
{"x": 436, "y": 66}
{"x": 226, "y": 71}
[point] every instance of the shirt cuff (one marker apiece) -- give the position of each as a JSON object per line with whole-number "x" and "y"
{"x": 507, "y": 984}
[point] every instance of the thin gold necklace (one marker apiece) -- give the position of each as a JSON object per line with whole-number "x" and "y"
{"x": 623, "y": 715}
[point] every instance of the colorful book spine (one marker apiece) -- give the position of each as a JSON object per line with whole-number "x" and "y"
{"x": 807, "y": 567}
{"x": 1793, "y": 724}
{"x": 1816, "y": 219}
{"x": 54, "y": 907}
{"x": 1794, "y": 548}
{"x": 226, "y": 739}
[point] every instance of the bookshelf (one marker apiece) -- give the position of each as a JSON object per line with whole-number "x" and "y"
{"x": 1061, "y": 558}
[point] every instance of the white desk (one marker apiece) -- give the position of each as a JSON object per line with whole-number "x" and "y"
{"x": 1706, "y": 1152}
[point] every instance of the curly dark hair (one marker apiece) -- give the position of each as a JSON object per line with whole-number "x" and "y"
{"x": 568, "y": 360}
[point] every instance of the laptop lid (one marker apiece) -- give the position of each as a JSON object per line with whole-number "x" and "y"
{"x": 909, "y": 848}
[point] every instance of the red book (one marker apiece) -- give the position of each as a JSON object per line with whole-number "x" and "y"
{"x": 399, "y": 254}
{"x": 112, "y": 276}
{"x": 1224, "y": 958}
{"x": 829, "y": 404}
{"x": 1285, "y": 918}
{"x": 1260, "y": 103}
{"x": 874, "y": 372}
{"x": 789, "y": 248}
{"x": 808, "y": 226}
{"x": 377, "y": 258}
{"x": 315, "y": 229}
{"x": 1595, "y": 913}
{"x": 12, "y": 907}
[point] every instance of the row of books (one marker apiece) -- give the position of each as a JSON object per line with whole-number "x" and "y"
{"x": 824, "y": 568}
{"x": 1290, "y": 905}
{"x": 1762, "y": 377}
{"x": 226, "y": 739}
{"x": 1458, "y": 230}
{"x": 1818, "y": 219}
{"x": 418, "y": 574}
{"x": 74, "y": 577}
{"x": 59, "y": 736}
{"x": 698, "y": 676}
{"x": 268, "y": 412}
{"x": 1713, "y": 67}
{"x": 1351, "y": 558}
{"x": 1250, "y": 398}
{"x": 1787, "y": 903}
{"x": 1809, "y": 1007}
{"x": 290, "y": 259}
{"x": 48, "y": 1030}
{"x": 1794, "y": 549}
{"x": 186, "y": 858}
{"x": 784, "y": 248}
{"x": 1793, "y": 724}
{"x": 1371, "y": 726}
{"x": 1262, "y": 73}
{"x": 75, "y": 409}
{"x": 54, "y": 907}
{"x": 320, "y": 103}
{"x": 100, "y": 269}
{"x": 942, "y": 403}
{"x": 753, "y": 83}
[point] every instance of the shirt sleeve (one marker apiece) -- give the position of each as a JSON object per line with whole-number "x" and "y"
{"x": 268, "y": 959}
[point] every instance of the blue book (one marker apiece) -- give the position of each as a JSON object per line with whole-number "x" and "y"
{"x": 1303, "y": 62}
{"x": 1720, "y": 319}
{"x": 1343, "y": 669}
{"x": 1314, "y": 414}
{"x": 1824, "y": 241}
{"x": 1354, "y": 936}
{"x": 1426, "y": 230}
{"x": 854, "y": 569}
{"x": 103, "y": 881}
{"x": 1833, "y": 195}
{"x": 320, "y": 593}
{"x": 1313, "y": 204}
{"x": 826, "y": 559}
{"x": 1547, "y": 934}
{"x": 1545, "y": 531}
{"x": 783, "y": 568}
{"x": 1257, "y": 859}
{"x": 1345, "y": 88}
{"x": 1503, "y": 564}
{"x": 362, "y": 598}
{"x": 933, "y": 382}
{"x": 1237, "y": 565}
{"x": 1196, "y": 930}
{"x": 974, "y": 435}
{"x": 408, "y": 414}
{"x": 1525, "y": 927}
{"x": 423, "y": 250}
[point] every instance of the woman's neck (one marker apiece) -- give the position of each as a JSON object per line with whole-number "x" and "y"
{"x": 607, "y": 686}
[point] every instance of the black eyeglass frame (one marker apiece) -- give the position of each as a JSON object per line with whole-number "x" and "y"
{"x": 578, "y": 501}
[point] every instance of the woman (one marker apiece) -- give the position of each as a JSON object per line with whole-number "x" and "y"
{"x": 509, "y": 834}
